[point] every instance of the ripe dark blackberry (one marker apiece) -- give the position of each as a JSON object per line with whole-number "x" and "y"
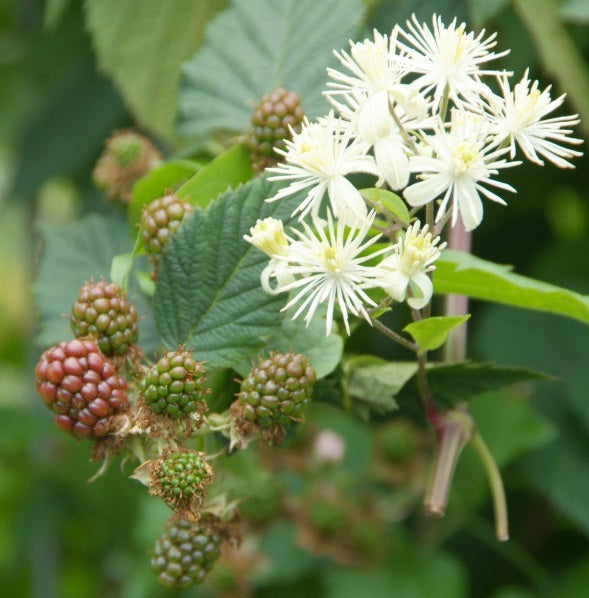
{"x": 185, "y": 553}
{"x": 277, "y": 390}
{"x": 160, "y": 219}
{"x": 127, "y": 156}
{"x": 175, "y": 385}
{"x": 103, "y": 312}
{"x": 272, "y": 117}
{"x": 81, "y": 387}
{"x": 181, "y": 478}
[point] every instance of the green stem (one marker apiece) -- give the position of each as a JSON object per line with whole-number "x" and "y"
{"x": 497, "y": 489}
{"x": 394, "y": 335}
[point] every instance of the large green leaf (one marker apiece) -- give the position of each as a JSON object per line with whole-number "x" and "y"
{"x": 208, "y": 294}
{"x": 465, "y": 274}
{"x": 76, "y": 253}
{"x": 141, "y": 45}
{"x": 255, "y": 46}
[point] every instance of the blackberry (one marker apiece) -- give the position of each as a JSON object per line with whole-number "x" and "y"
{"x": 127, "y": 156}
{"x": 160, "y": 219}
{"x": 185, "y": 553}
{"x": 81, "y": 387}
{"x": 273, "y": 116}
{"x": 103, "y": 312}
{"x": 180, "y": 478}
{"x": 175, "y": 385}
{"x": 277, "y": 390}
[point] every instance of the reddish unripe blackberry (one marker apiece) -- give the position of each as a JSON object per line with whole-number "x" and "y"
{"x": 127, "y": 156}
{"x": 273, "y": 116}
{"x": 185, "y": 553}
{"x": 181, "y": 479}
{"x": 175, "y": 385}
{"x": 103, "y": 312}
{"x": 277, "y": 390}
{"x": 81, "y": 387}
{"x": 160, "y": 219}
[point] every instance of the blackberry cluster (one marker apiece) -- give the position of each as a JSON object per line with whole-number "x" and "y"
{"x": 160, "y": 219}
{"x": 277, "y": 390}
{"x": 185, "y": 553}
{"x": 127, "y": 156}
{"x": 181, "y": 477}
{"x": 81, "y": 387}
{"x": 272, "y": 117}
{"x": 103, "y": 312}
{"x": 175, "y": 385}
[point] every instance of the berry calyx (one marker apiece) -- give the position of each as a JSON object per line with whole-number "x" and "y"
{"x": 273, "y": 117}
{"x": 81, "y": 387}
{"x": 185, "y": 553}
{"x": 175, "y": 386}
{"x": 127, "y": 156}
{"x": 103, "y": 312}
{"x": 160, "y": 219}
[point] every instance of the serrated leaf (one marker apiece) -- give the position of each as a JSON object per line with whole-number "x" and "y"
{"x": 465, "y": 274}
{"x": 155, "y": 183}
{"x": 208, "y": 294}
{"x": 141, "y": 45}
{"x": 389, "y": 201}
{"x": 455, "y": 383}
{"x": 378, "y": 383}
{"x": 255, "y": 46}
{"x": 227, "y": 170}
{"x": 431, "y": 333}
{"x": 73, "y": 254}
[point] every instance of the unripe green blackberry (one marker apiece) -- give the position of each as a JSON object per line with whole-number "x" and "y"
{"x": 175, "y": 385}
{"x": 103, "y": 312}
{"x": 277, "y": 390}
{"x": 160, "y": 219}
{"x": 81, "y": 387}
{"x": 127, "y": 156}
{"x": 272, "y": 117}
{"x": 185, "y": 553}
{"x": 180, "y": 479}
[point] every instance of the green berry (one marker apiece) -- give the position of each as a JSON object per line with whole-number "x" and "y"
{"x": 272, "y": 120}
{"x": 160, "y": 219}
{"x": 103, "y": 312}
{"x": 83, "y": 389}
{"x": 175, "y": 385}
{"x": 181, "y": 477}
{"x": 184, "y": 554}
{"x": 277, "y": 390}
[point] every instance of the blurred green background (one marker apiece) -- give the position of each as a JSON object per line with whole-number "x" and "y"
{"x": 62, "y": 537}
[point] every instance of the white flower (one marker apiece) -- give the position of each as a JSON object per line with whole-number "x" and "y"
{"x": 518, "y": 116}
{"x": 320, "y": 157}
{"x": 268, "y": 236}
{"x": 462, "y": 161}
{"x": 327, "y": 265}
{"x": 407, "y": 269}
{"x": 447, "y": 58}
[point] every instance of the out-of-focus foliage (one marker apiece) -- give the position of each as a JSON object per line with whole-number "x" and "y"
{"x": 70, "y": 73}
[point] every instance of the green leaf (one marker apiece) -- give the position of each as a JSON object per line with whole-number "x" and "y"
{"x": 54, "y": 11}
{"x": 76, "y": 253}
{"x": 255, "y": 46}
{"x": 463, "y": 273}
{"x": 455, "y": 383}
{"x": 227, "y": 170}
{"x": 482, "y": 11}
{"x": 387, "y": 200}
{"x": 575, "y": 11}
{"x": 155, "y": 183}
{"x": 431, "y": 333}
{"x": 208, "y": 294}
{"x": 378, "y": 383}
{"x": 141, "y": 45}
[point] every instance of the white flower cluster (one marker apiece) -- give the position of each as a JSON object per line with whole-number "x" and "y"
{"x": 414, "y": 110}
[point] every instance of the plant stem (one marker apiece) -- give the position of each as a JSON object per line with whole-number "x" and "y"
{"x": 497, "y": 489}
{"x": 394, "y": 335}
